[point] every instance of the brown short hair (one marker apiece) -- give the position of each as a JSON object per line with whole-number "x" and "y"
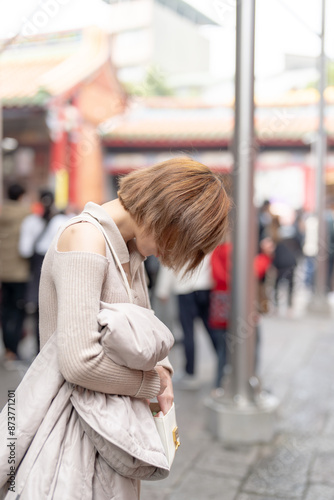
{"x": 183, "y": 204}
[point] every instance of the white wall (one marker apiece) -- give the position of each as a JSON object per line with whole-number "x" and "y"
{"x": 178, "y": 45}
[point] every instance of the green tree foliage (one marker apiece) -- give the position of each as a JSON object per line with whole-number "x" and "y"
{"x": 154, "y": 84}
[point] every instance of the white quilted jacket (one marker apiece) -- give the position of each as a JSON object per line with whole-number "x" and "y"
{"x": 73, "y": 443}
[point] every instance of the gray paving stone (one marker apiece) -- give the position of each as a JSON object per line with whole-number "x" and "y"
{"x": 291, "y": 445}
{"x": 284, "y": 486}
{"x": 187, "y": 455}
{"x": 247, "y": 496}
{"x": 151, "y": 494}
{"x": 302, "y": 419}
{"x": 281, "y": 472}
{"x": 202, "y": 486}
{"x": 312, "y": 443}
{"x": 227, "y": 462}
{"x": 320, "y": 492}
{"x": 323, "y": 469}
{"x": 329, "y": 425}
{"x": 306, "y": 406}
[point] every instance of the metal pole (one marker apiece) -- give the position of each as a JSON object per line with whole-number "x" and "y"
{"x": 322, "y": 258}
{"x": 1, "y": 156}
{"x": 242, "y": 351}
{"x": 242, "y": 413}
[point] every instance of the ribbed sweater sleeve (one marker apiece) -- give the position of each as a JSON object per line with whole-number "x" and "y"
{"x": 78, "y": 278}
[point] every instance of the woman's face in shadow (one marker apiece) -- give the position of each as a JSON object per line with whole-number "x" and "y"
{"x": 145, "y": 243}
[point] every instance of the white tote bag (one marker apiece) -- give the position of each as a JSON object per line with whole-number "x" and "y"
{"x": 168, "y": 430}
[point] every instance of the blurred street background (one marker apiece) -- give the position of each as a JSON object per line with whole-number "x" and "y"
{"x": 90, "y": 90}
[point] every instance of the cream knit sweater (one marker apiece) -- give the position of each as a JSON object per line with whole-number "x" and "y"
{"x": 72, "y": 285}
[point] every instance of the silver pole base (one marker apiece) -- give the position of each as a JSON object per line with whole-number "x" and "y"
{"x": 242, "y": 423}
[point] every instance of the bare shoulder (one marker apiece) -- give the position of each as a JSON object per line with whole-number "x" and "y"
{"x": 82, "y": 237}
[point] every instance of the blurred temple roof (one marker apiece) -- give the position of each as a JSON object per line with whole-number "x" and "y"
{"x": 168, "y": 121}
{"x": 36, "y": 68}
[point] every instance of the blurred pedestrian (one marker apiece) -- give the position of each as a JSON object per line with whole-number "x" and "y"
{"x": 264, "y": 219}
{"x": 37, "y": 233}
{"x": 329, "y": 218}
{"x": 193, "y": 301}
{"x": 152, "y": 268}
{"x": 14, "y": 270}
{"x": 299, "y": 225}
{"x": 310, "y": 248}
{"x": 291, "y": 230}
{"x": 220, "y": 300}
{"x": 284, "y": 261}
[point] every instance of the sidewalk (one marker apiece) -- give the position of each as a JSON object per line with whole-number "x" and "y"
{"x": 296, "y": 365}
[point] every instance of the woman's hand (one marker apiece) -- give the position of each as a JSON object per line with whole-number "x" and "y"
{"x": 166, "y": 395}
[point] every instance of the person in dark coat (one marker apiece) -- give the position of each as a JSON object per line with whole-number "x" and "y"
{"x": 14, "y": 271}
{"x": 284, "y": 261}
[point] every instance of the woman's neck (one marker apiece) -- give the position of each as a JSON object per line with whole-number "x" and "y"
{"x": 122, "y": 219}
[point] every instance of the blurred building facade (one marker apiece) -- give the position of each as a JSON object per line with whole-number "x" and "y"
{"x": 58, "y": 87}
{"x": 160, "y": 127}
{"x": 162, "y": 34}
{"x": 55, "y": 90}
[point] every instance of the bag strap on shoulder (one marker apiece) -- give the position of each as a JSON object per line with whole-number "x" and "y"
{"x": 92, "y": 220}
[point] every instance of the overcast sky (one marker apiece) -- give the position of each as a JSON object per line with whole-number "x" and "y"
{"x": 282, "y": 26}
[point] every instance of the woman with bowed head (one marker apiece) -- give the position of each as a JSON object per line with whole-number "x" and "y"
{"x": 176, "y": 210}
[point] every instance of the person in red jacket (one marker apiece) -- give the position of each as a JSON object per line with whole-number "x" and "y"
{"x": 221, "y": 264}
